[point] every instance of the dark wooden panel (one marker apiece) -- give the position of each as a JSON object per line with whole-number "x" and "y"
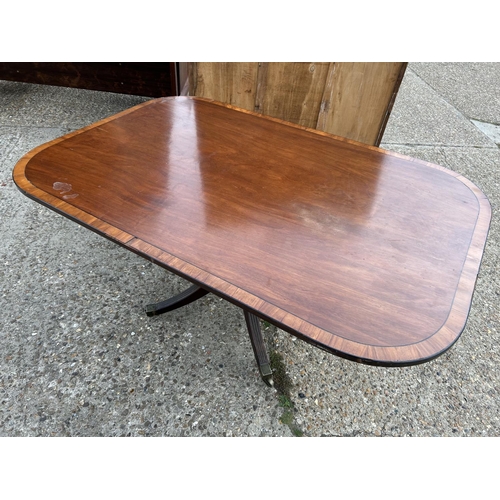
{"x": 366, "y": 253}
{"x": 146, "y": 79}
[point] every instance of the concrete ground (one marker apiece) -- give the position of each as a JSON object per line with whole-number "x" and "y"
{"x": 78, "y": 356}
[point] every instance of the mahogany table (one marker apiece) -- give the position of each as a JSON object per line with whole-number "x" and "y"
{"x": 368, "y": 254}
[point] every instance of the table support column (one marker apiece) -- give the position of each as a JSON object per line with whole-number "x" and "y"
{"x": 259, "y": 348}
{"x": 195, "y": 292}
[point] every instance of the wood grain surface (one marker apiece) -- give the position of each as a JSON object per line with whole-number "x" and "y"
{"x": 358, "y": 98}
{"x": 352, "y": 100}
{"x": 365, "y": 253}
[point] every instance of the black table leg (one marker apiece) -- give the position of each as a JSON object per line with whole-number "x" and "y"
{"x": 186, "y": 297}
{"x": 259, "y": 348}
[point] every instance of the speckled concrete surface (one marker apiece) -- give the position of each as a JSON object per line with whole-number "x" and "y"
{"x": 78, "y": 356}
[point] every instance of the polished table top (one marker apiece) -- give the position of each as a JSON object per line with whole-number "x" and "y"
{"x": 366, "y": 253}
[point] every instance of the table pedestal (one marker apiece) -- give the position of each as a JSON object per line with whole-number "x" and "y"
{"x": 194, "y": 293}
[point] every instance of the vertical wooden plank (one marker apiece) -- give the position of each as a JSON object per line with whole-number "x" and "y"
{"x": 261, "y": 86}
{"x": 291, "y": 91}
{"x": 183, "y": 78}
{"x": 357, "y": 99}
{"x": 232, "y": 83}
{"x": 395, "y": 90}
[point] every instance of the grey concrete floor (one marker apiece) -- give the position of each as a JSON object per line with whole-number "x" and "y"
{"x": 78, "y": 356}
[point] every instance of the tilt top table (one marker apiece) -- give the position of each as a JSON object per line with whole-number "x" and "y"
{"x": 364, "y": 253}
